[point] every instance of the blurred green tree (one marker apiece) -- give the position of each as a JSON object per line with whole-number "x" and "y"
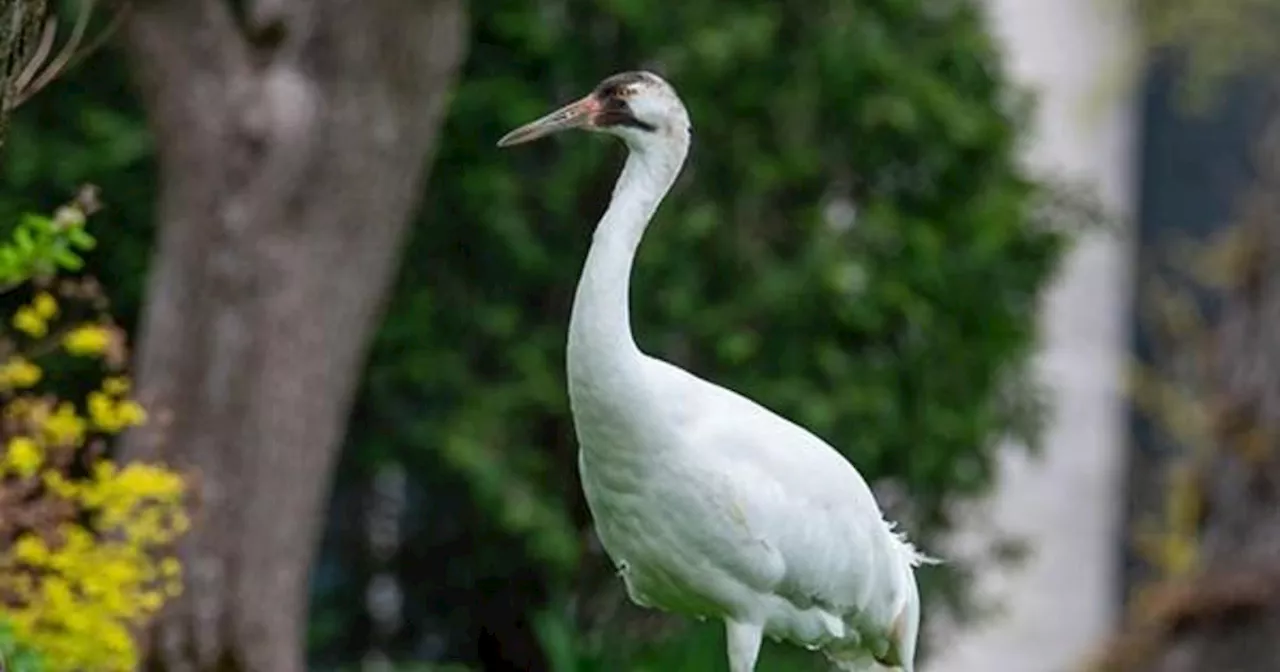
{"x": 853, "y": 243}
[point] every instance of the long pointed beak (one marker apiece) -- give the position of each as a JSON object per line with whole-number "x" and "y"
{"x": 574, "y": 115}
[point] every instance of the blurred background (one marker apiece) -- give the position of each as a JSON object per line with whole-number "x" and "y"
{"x": 1011, "y": 257}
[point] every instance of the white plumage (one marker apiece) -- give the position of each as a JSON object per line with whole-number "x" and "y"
{"x": 709, "y": 504}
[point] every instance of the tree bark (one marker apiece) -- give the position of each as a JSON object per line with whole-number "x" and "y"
{"x": 293, "y": 138}
{"x": 20, "y": 24}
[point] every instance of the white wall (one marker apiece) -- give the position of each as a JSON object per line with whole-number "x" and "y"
{"x": 1060, "y": 604}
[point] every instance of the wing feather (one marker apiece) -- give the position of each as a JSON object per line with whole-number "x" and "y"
{"x": 800, "y": 498}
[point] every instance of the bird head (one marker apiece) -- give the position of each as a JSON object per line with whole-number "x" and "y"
{"x": 639, "y": 107}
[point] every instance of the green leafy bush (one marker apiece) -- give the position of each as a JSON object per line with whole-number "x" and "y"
{"x": 83, "y": 541}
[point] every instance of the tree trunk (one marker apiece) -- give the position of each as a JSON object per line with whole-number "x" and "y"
{"x": 292, "y": 139}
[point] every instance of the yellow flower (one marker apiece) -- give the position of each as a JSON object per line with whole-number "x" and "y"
{"x": 19, "y": 373}
{"x": 104, "y": 470}
{"x": 131, "y": 413}
{"x": 28, "y": 321}
{"x": 117, "y": 640}
{"x": 170, "y": 567}
{"x": 151, "y": 600}
{"x": 111, "y": 416}
{"x": 30, "y": 549}
{"x": 116, "y": 386}
{"x": 87, "y": 340}
{"x": 87, "y": 592}
{"x": 78, "y": 593}
{"x": 57, "y": 590}
{"x": 64, "y": 427}
{"x": 23, "y": 456}
{"x": 145, "y": 480}
{"x": 45, "y": 305}
{"x": 59, "y": 485}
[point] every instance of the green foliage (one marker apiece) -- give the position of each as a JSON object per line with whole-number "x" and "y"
{"x": 14, "y": 657}
{"x": 42, "y": 245}
{"x": 83, "y": 541}
{"x": 87, "y": 128}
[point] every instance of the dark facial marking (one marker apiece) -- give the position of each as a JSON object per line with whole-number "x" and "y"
{"x": 614, "y": 109}
{"x": 614, "y": 85}
{"x": 616, "y": 112}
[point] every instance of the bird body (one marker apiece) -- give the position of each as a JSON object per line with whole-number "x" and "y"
{"x": 708, "y": 503}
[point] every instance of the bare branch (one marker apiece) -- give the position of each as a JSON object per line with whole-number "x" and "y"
{"x": 60, "y": 61}
{"x": 42, "y": 52}
{"x": 112, "y": 26}
{"x": 39, "y": 71}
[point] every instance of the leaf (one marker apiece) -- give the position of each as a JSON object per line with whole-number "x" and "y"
{"x": 67, "y": 259}
{"x": 81, "y": 239}
{"x": 25, "y": 244}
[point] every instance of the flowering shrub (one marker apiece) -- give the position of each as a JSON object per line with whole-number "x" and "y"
{"x": 87, "y": 544}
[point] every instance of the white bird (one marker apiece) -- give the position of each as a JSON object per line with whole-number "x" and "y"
{"x": 709, "y": 504}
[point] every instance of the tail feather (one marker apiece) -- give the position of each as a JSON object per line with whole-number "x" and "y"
{"x": 902, "y": 631}
{"x": 914, "y": 556}
{"x": 904, "y": 628}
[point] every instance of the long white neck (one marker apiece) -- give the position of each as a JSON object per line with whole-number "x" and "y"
{"x": 600, "y": 339}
